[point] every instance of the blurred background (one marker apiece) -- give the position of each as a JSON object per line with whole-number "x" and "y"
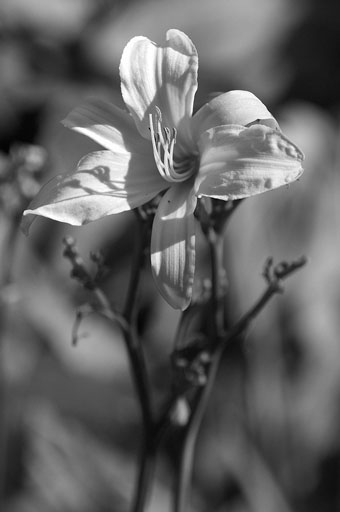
{"x": 70, "y": 425}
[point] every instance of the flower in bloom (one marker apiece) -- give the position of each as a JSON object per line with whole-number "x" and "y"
{"x": 229, "y": 149}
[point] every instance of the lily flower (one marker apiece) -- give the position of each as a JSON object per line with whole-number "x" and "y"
{"x": 231, "y": 148}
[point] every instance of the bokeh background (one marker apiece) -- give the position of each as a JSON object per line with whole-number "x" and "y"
{"x": 70, "y": 425}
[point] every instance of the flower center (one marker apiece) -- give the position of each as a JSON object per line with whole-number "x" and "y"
{"x": 163, "y": 143}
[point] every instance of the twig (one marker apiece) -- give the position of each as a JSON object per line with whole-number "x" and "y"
{"x": 145, "y": 474}
{"x": 138, "y": 259}
{"x": 218, "y": 284}
{"x": 190, "y": 437}
{"x": 139, "y": 371}
{"x": 131, "y": 339}
{"x": 274, "y": 277}
{"x": 136, "y": 356}
{"x": 5, "y": 281}
{"x": 212, "y": 224}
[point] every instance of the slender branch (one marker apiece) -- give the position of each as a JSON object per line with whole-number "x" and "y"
{"x": 138, "y": 257}
{"x": 199, "y": 405}
{"x": 140, "y": 375}
{"x": 135, "y": 353}
{"x": 145, "y": 474}
{"x": 104, "y": 308}
{"x": 5, "y": 281}
{"x": 215, "y": 241}
{"x": 183, "y": 328}
{"x": 132, "y": 341}
{"x": 274, "y": 277}
{"x": 189, "y": 442}
{"x": 213, "y": 230}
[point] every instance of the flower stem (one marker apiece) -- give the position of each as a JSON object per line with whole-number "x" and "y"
{"x": 190, "y": 437}
{"x": 5, "y": 281}
{"x": 274, "y": 286}
{"x": 137, "y": 263}
{"x": 215, "y": 241}
{"x": 275, "y": 277}
{"x": 127, "y": 323}
{"x": 199, "y": 405}
{"x": 139, "y": 372}
{"x": 146, "y": 470}
{"x": 133, "y": 345}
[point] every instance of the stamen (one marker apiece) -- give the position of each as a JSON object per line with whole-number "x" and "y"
{"x": 163, "y": 144}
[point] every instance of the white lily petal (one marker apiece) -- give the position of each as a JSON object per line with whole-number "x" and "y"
{"x": 160, "y": 75}
{"x": 110, "y": 126}
{"x": 238, "y": 162}
{"x": 233, "y": 107}
{"x": 104, "y": 183}
{"x": 173, "y": 245}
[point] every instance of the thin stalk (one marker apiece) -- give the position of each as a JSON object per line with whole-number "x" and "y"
{"x": 274, "y": 286}
{"x": 139, "y": 374}
{"x": 280, "y": 272}
{"x": 3, "y": 418}
{"x": 145, "y": 474}
{"x": 217, "y": 303}
{"x": 5, "y": 280}
{"x": 215, "y": 241}
{"x": 183, "y": 328}
{"x": 201, "y": 402}
{"x": 135, "y": 352}
{"x": 137, "y": 263}
{"x": 127, "y": 323}
{"x": 182, "y": 494}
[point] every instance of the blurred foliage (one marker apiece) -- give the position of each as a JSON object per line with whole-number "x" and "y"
{"x": 270, "y": 439}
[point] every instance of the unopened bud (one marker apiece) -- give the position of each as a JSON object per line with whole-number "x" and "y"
{"x": 180, "y": 413}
